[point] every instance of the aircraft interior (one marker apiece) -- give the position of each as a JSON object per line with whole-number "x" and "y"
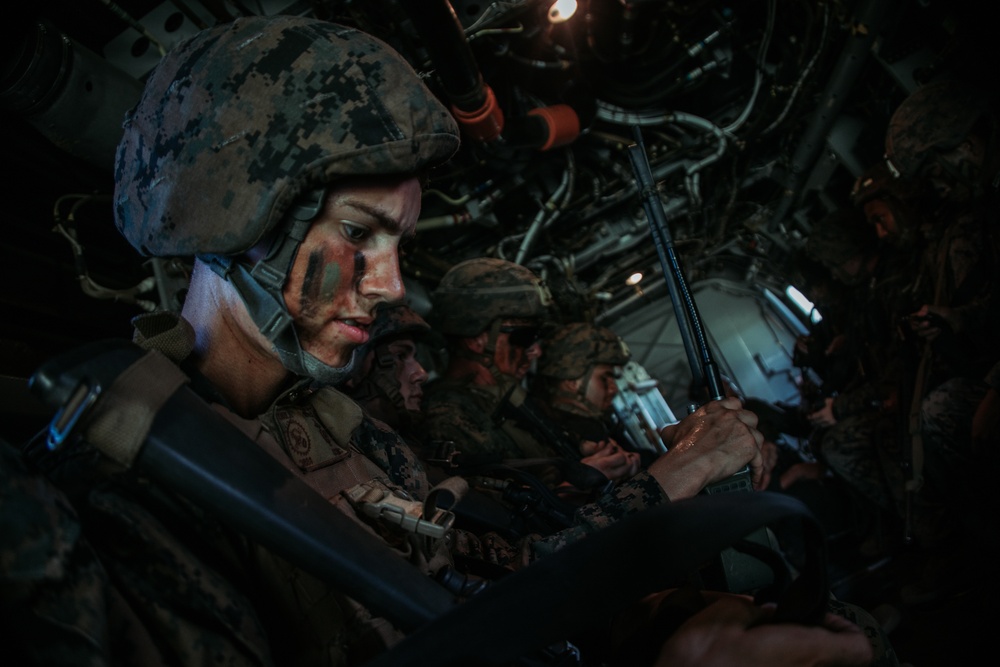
{"x": 755, "y": 117}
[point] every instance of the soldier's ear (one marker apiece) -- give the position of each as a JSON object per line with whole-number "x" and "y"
{"x": 571, "y": 386}
{"x": 477, "y": 343}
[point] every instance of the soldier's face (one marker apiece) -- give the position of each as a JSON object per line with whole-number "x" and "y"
{"x": 512, "y": 355}
{"x": 602, "y": 388}
{"x": 349, "y": 262}
{"x": 409, "y": 373}
{"x": 880, "y": 214}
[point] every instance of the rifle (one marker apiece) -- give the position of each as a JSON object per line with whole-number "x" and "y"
{"x": 703, "y": 366}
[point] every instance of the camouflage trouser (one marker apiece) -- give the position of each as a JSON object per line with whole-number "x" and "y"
{"x": 864, "y": 451}
{"x": 871, "y": 453}
{"x": 950, "y": 473}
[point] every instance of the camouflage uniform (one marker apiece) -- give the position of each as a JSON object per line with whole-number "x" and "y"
{"x": 378, "y": 391}
{"x": 958, "y": 270}
{"x": 570, "y": 353}
{"x": 238, "y": 133}
{"x": 945, "y": 428}
{"x": 462, "y": 413}
{"x": 472, "y": 298}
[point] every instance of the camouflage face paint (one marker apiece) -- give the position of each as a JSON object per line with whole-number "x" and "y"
{"x": 311, "y": 284}
{"x": 331, "y": 281}
{"x": 359, "y": 270}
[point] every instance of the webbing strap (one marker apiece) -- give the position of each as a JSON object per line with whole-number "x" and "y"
{"x": 122, "y": 418}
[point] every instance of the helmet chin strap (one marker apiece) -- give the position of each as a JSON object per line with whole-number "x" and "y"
{"x": 260, "y": 288}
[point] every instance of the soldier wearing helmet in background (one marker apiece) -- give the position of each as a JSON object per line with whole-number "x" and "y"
{"x": 284, "y": 155}
{"x": 944, "y": 137}
{"x": 856, "y": 429}
{"x": 577, "y": 382}
{"x": 389, "y": 380}
{"x": 891, "y": 206}
{"x": 492, "y": 311}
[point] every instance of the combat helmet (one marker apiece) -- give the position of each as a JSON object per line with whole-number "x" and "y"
{"x": 239, "y": 130}
{"x": 572, "y": 352}
{"x": 876, "y": 182}
{"x": 841, "y": 236}
{"x": 378, "y": 389}
{"x": 934, "y": 119}
{"x": 475, "y": 293}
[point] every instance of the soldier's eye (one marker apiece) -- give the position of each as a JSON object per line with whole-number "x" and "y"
{"x": 355, "y": 231}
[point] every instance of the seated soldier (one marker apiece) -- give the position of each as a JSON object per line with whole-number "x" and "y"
{"x": 576, "y": 381}
{"x": 491, "y": 311}
{"x": 388, "y": 382}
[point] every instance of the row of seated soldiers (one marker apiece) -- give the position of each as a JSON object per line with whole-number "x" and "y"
{"x": 905, "y": 277}
{"x": 191, "y": 547}
{"x": 477, "y": 417}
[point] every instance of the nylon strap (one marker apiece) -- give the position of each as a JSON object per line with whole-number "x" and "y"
{"x": 124, "y": 415}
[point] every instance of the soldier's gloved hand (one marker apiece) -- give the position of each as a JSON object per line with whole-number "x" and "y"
{"x": 710, "y": 444}
{"x": 732, "y": 630}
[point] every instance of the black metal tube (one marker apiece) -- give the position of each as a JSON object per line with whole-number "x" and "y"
{"x": 703, "y": 368}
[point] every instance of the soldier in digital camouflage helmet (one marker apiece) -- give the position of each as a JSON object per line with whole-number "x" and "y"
{"x": 502, "y": 304}
{"x": 845, "y": 244}
{"x": 389, "y": 380}
{"x": 944, "y": 134}
{"x": 890, "y": 205}
{"x": 582, "y": 353}
{"x": 243, "y": 151}
{"x": 491, "y": 312}
{"x": 284, "y": 154}
{"x": 577, "y": 382}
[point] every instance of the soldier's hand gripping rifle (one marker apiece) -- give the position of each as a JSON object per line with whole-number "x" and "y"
{"x": 740, "y": 572}
{"x": 703, "y": 367}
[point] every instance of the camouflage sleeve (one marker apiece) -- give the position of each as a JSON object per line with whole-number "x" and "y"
{"x": 465, "y": 418}
{"x": 993, "y": 376}
{"x": 855, "y": 402}
{"x": 52, "y": 585}
{"x": 634, "y": 495}
{"x": 972, "y": 294}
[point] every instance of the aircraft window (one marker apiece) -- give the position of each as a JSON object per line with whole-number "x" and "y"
{"x": 803, "y": 304}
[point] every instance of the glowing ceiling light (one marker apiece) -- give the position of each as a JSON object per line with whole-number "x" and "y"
{"x": 561, "y": 10}
{"x": 634, "y": 279}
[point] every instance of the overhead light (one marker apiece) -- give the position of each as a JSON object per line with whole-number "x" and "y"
{"x": 561, "y": 10}
{"x": 634, "y": 279}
